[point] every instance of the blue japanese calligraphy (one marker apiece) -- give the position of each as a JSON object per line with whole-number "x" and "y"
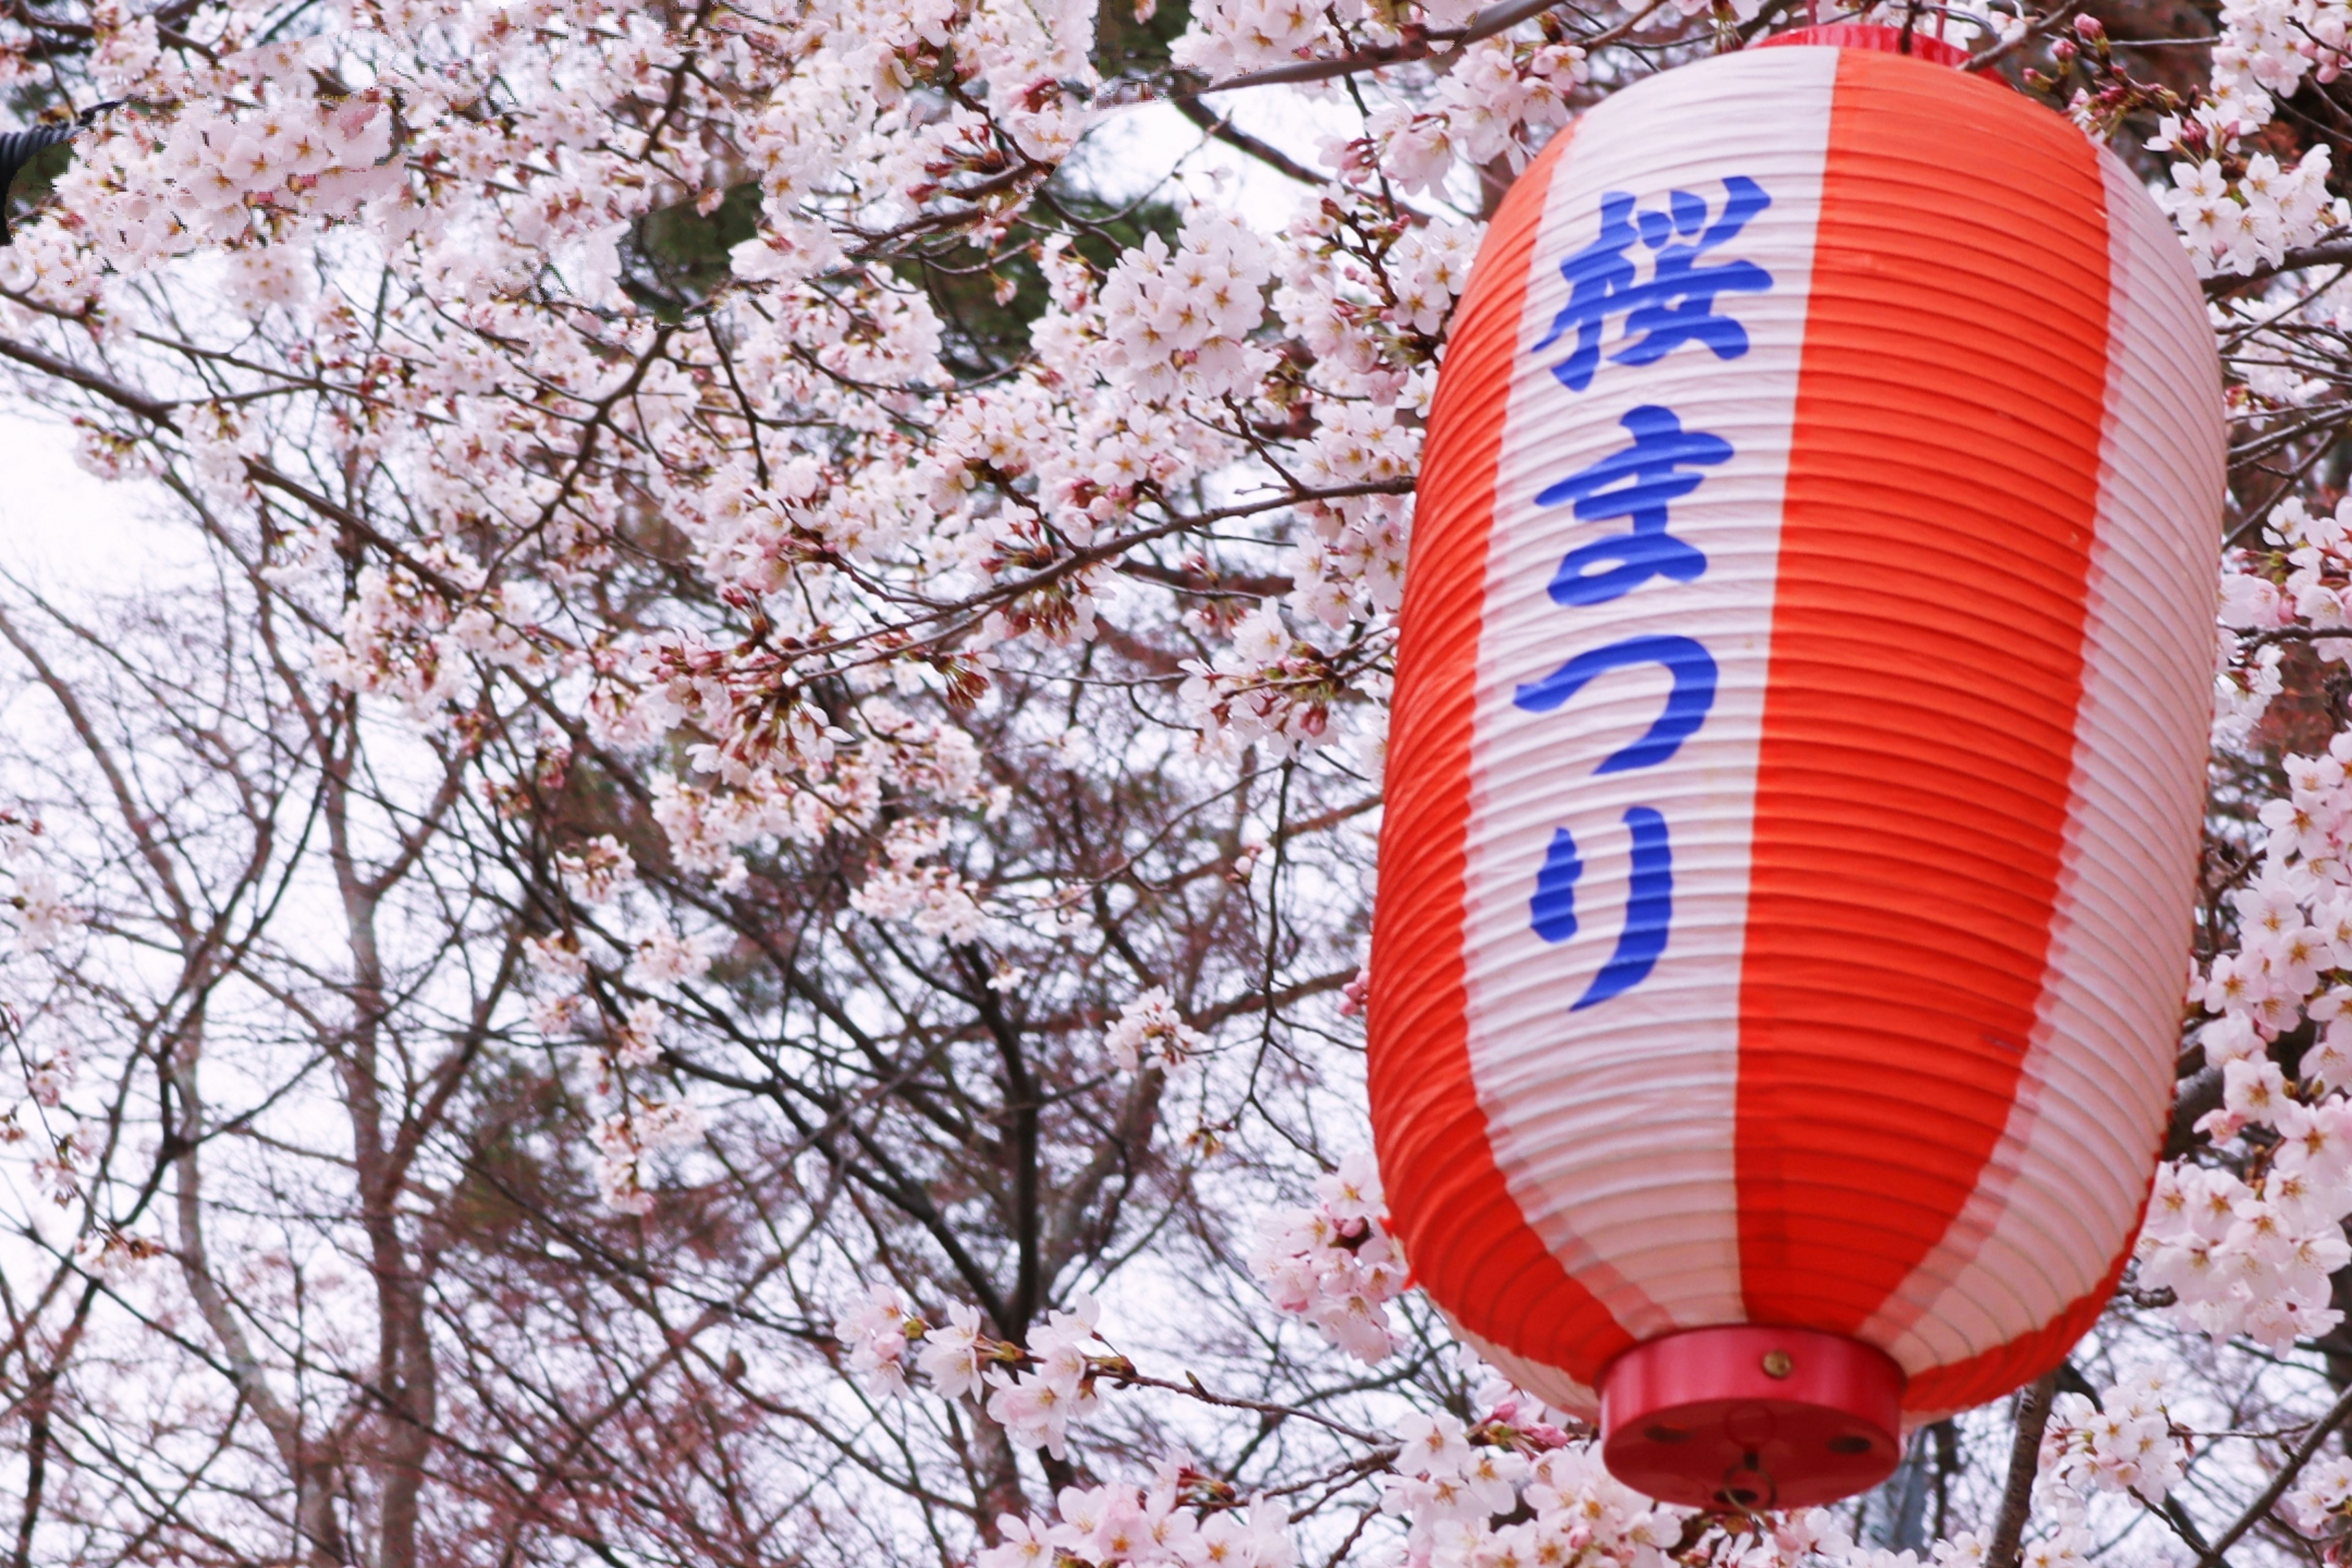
{"x": 1649, "y": 911}
{"x": 1638, "y": 484}
{"x": 1649, "y": 905}
{"x": 1686, "y": 659}
{"x": 1677, "y": 304}
{"x": 1553, "y": 911}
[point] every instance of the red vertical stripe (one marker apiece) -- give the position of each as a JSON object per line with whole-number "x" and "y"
{"x": 1926, "y": 668}
{"x": 1463, "y": 1233}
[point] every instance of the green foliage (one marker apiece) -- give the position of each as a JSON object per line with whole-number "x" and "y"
{"x": 1127, "y": 46}
{"x": 984, "y": 335}
{"x": 675, "y": 257}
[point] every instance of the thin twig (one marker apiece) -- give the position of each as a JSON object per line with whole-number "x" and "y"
{"x": 1223, "y": 128}
{"x": 2262, "y": 1505}
{"x": 1485, "y": 25}
{"x": 2002, "y": 51}
{"x": 2325, "y": 253}
{"x": 1127, "y": 1377}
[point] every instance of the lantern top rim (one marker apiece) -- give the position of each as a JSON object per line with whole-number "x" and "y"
{"x": 1872, "y": 35}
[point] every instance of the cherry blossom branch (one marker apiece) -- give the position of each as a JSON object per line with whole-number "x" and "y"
{"x": 2267, "y": 1499}
{"x": 1124, "y": 1375}
{"x": 2327, "y": 253}
{"x": 1222, "y": 127}
{"x": 158, "y": 412}
{"x": 2327, "y": 418}
{"x": 2292, "y": 635}
{"x": 1317, "y": 985}
{"x": 153, "y": 410}
{"x": 1110, "y": 550}
{"x": 2024, "y": 1464}
{"x": 2042, "y": 27}
{"x": 1485, "y": 25}
{"x": 1347, "y": 1541}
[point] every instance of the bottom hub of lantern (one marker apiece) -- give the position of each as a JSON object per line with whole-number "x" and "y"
{"x": 1749, "y": 1418}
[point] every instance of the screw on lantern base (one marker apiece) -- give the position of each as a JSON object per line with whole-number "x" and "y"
{"x": 1746, "y": 1417}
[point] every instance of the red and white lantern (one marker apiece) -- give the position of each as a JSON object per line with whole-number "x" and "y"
{"x": 1796, "y": 763}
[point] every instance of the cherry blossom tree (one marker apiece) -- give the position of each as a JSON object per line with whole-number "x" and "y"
{"x": 712, "y": 910}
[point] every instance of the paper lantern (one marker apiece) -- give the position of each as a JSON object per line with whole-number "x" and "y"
{"x": 1796, "y": 763}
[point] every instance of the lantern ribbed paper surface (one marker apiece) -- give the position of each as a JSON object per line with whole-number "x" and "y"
{"x": 1799, "y": 735}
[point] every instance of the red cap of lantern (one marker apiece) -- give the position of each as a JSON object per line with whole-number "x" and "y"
{"x": 1796, "y": 761}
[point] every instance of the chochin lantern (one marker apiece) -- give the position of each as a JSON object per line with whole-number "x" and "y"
{"x": 1796, "y": 763}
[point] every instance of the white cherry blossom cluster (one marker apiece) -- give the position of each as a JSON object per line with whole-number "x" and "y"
{"x": 1037, "y": 1406}
{"x": 31, "y": 892}
{"x": 627, "y": 1139}
{"x": 2061, "y": 1548}
{"x": 785, "y": 775}
{"x": 934, "y": 899}
{"x": 2068, "y": 1546}
{"x": 563, "y": 966}
{"x": 1184, "y": 1519}
{"x": 2237, "y": 211}
{"x": 1151, "y": 1033}
{"x": 1033, "y": 1393}
{"x": 2253, "y": 1258}
{"x": 780, "y": 772}
{"x": 1179, "y": 322}
{"x": 643, "y": 1118}
{"x": 2244, "y": 682}
{"x": 2319, "y": 1504}
{"x": 1230, "y": 36}
{"x": 2291, "y": 585}
{"x": 2248, "y": 1249}
{"x": 601, "y": 988}
{"x": 1268, "y": 687}
{"x": 263, "y": 150}
{"x": 1818, "y": 1536}
{"x": 1034, "y": 57}
{"x": 1363, "y": 297}
{"x": 597, "y": 870}
{"x": 419, "y": 635}
{"x": 2272, "y": 44}
{"x": 2236, "y": 226}
{"x": 664, "y": 959}
{"x": 882, "y": 1327}
{"x": 1453, "y": 1484}
{"x": 40, "y": 915}
{"x": 876, "y": 1331}
{"x": 2301, "y": 579}
{"x": 2125, "y": 1441}
{"x": 1499, "y": 98}
{"x": 1335, "y": 1264}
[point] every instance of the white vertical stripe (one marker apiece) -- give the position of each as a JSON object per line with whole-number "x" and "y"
{"x": 2061, "y": 1193}
{"x": 1613, "y": 1124}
